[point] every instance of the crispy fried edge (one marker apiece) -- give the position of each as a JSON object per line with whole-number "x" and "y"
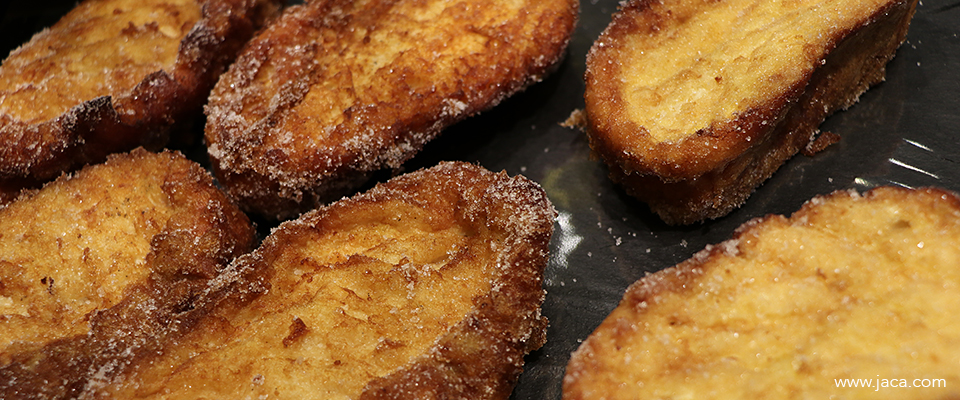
{"x": 280, "y": 192}
{"x": 713, "y": 172}
{"x": 193, "y": 248}
{"x": 162, "y": 103}
{"x": 456, "y": 367}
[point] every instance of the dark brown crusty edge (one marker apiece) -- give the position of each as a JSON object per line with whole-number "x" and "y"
{"x": 737, "y": 156}
{"x": 192, "y": 249}
{"x": 287, "y": 186}
{"x": 164, "y": 102}
{"x": 482, "y": 356}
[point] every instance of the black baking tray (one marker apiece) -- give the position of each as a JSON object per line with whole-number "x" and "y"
{"x": 903, "y": 132}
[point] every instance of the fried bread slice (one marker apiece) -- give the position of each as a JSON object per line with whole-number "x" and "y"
{"x": 112, "y": 75}
{"x": 94, "y": 265}
{"x": 693, "y": 104}
{"x": 850, "y": 287}
{"x": 426, "y": 286}
{"x": 335, "y": 90}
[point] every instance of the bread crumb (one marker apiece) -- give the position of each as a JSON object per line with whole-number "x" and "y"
{"x": 821, "y": 142}
{"x": 576, "y": 120}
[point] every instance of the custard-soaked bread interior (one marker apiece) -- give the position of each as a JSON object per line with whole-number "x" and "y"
{"x": 112, "y": 75}
{"x": 693, "y": 104}
{"x": 427, "y": 286}
{"x": 93, "y": 266}
{"x": 849, "y": 287}
{"x": 335, "y": 90}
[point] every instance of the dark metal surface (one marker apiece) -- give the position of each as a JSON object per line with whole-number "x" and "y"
{"x": 905, "y": 131}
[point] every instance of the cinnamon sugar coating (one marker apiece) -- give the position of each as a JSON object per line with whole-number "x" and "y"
{"x": 113, "y": 75}
{"x": 426, "y": 286}
{"x": 694, "y": 104}
{"x": 335, "y": 90}
{"x": 101, "y": 267}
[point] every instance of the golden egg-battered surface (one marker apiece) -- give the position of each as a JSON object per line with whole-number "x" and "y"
{"x": 334, "y": 90}
{"x": 75, "y": 246}
{"x": 101, "y": 48}
{"x": 693, "y": 104}
{"x": 724, "y": 57}
{"x": 427, "y": 285}
{"x": 93, "y": 265}
{"x": 112, "y": 75}
{"x": 850, "y": 287}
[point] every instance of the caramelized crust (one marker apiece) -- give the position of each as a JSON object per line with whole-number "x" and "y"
{"x": 694, "y": 104}
{"x": 849, "y": 287}
{"x": 427, "y": 286}
{"x": 112, "y": 75}
{"x": 93, "y": 267}
{"x": 335, "y": 90}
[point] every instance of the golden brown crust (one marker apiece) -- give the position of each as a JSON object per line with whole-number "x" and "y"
{"x": 299, "y": 121}
{"x": 112, "y": 75}
{"x": 97, "y": 266}
{"x": 427, "y": 286}
{"x": 850, "y": 286}
{"x": 714, "y": 168}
